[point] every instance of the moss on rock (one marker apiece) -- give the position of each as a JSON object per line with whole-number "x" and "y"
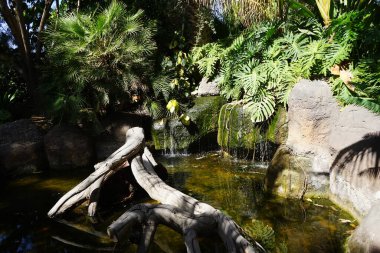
{"x": 235, "y": 128}
{"x": 236, "y": 131}
{"x": 288, "y": 176}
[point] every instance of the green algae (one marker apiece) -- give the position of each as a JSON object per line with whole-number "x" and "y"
{"x": 237, "y": 131}
{"x": 237, "y": 188}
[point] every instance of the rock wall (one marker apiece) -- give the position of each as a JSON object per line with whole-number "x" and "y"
{"x": 328, "y": 148}
{"x": 366, "y": 237}
{"x": 21, "y": 148}
{"x": 68, "y": 147}
{"x": 311, "y": 116}
{"x": 26, "y": 149}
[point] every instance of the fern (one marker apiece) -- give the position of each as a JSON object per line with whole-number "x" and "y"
{"x": 262, "y": 65}
{"x": 207, "y": 57}
{"x": 161, "y": 86}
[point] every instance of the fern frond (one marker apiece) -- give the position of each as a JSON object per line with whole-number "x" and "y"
{"x": 161, "y": 86}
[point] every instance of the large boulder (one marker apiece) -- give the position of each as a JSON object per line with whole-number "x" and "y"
{"x": 330, "y": 139}
{"x": 366, "y": 237}
{"x": 311, "y": 116}
{"x": 68, "y": 147}
{"x": 288, "y": 175}
{"x": 355, "y": 174}
{"x": 355, "y": 169}
{"x": 171, "y": 135}
{"x": 21, "y": 148}
{"x": 352, "y": 124}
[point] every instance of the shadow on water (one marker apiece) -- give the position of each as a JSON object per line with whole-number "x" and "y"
{"x": 235, "y": 187}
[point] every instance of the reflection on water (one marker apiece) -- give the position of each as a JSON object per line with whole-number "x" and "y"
{"x": 236, "y": 187}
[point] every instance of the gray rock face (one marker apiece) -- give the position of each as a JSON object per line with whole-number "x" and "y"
{"x": 340, "y": 145}
{"x": 355, "y": 175}
{"x": 67, "y": 147}
{"x": 21, "y": 148}
{"x": 207, "y": 88}
{"x": 366, "y": 237}
{"x": 311, "y": 116}
{"x": 351, "y": 125}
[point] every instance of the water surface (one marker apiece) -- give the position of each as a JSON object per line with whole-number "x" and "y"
{"x": 235, "y": 187}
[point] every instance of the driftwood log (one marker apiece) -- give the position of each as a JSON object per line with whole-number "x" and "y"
{"x": 176, "y": 210}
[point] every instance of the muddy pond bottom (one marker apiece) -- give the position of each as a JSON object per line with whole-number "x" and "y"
{"x": 236, "y": 187}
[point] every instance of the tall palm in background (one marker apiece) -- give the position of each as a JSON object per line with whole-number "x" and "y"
{"x": 97, "y": 60}
{"x": 246, "y": 11}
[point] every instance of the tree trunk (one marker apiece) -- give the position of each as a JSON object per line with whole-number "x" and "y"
{"x": 177, "y": 210}
{"x": 44, "y": 18}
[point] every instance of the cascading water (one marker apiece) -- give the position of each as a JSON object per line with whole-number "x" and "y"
{"x": 241, "y": 138}
{"x": 170, "y": 141}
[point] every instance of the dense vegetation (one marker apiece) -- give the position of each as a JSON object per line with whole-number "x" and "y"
{"x": 260, "y": 66}
{"x": 97, "y": 60}
{"x": 78, "y": 60}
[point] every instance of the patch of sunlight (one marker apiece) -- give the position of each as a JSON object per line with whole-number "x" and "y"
{"x": 58, "y": 184}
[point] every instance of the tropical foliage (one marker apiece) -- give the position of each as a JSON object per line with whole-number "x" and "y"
{"x": 97, "y": 60}
{"x": 260, "y": 66}
{"x": 174, "y": 82}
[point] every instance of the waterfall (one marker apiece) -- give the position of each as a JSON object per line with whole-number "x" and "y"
{"x": 240, "y": 137}
{"x": 170, "y": 142}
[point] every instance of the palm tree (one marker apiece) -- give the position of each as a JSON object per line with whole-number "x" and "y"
{"x": 246, "y": 11}
{"x": 97, "y": 60}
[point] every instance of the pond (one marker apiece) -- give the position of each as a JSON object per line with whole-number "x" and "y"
{"x": 234, "y": 186}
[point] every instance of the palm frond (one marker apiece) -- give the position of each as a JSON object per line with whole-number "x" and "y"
{"x": 101, "y": 53}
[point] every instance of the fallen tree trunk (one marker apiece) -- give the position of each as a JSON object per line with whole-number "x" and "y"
{"x": 177, "y": 210}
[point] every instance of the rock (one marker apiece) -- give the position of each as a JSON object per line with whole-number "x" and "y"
{"x": 311, "y": 116}
{"x": 171, "y": 135}
{"x": 352, "y": 124}
{"x": 288, "y": 175}
{"x": 207, "y": 88}
{"x": 366, "y": 237}
{"x": 21, "y": 148}
{"x": 236, "y": 130}
{"x": 239, "y": 136}
{"x": 328, "y": 137}
{"x": 67, "y": 147}
{"x": 278, "y": 128}
{"x": 355, "y": 175}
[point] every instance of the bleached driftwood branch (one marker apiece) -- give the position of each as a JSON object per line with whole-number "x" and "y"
{"x": 177, "y": 210}
{"x": 89, "y": 188}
